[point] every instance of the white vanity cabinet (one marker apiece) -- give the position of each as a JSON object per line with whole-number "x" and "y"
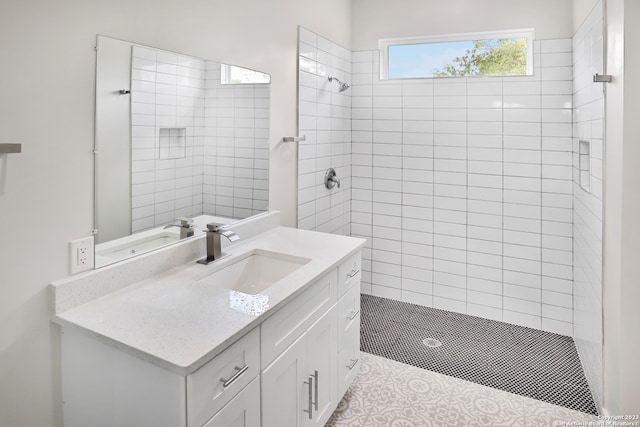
{"x": 290, "y": 370}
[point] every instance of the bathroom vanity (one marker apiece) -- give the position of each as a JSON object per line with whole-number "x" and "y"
{"x": 268, "y": 336}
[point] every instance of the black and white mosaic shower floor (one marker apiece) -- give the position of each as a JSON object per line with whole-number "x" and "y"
{"x": 524, "y": 361}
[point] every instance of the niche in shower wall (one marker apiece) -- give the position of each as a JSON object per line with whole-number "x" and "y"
{"x": 584, "y": 164}
{"x": 172, "y": 143}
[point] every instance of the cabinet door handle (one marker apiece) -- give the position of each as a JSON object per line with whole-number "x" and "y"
{"x": 310, "y": 384}
{"x": 353, "y": 315}
{"x": 315, "y": 403}
{"x": 239, "y": 371}
{"x": 353, "y": 273}
{"x": 352, "y": 364}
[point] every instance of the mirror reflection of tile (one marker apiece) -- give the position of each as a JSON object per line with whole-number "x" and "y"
{"x": 198, "y": 146}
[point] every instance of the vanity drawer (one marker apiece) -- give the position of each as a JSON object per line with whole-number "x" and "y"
{"x": 217, "y": 382}
{"x": 242, "y": 411}
{"x": 348, "y": 356}
{"x": 349, "y": 273}
{"x": 287, "y": 324}
{"x": 349, "y": 309}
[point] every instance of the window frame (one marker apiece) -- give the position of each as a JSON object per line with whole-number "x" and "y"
{"x": 384, "y": 44}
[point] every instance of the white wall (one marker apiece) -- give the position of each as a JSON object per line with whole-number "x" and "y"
{"x": 47, "y": 103}
{"x": 621, "y": 249}
{"x": 630, "y": 297}
{"x": 376, "y": 19}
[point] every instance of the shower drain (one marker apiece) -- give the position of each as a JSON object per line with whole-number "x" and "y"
{"x": 431, "y": 342}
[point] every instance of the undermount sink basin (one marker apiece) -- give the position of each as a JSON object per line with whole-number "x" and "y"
{"x": 255, "y": 271}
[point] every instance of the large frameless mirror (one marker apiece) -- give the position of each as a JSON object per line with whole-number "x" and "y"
{"x": 180, "y": 142}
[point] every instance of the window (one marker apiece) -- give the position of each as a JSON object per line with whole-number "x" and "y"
{"x": 503, "y": 53}
{"x": 233, "y": 75}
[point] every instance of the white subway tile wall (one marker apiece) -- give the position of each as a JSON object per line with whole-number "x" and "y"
{"x": 171, "y": 91}
{"x": 588, "y": 115}
{"x": 236, "y": 152}
{"x": 462, "y": 187}
{"x": 324, "y": 118}
{"x": 167, "y": 92}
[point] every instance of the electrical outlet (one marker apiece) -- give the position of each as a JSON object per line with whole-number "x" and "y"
{"x": 81, "y": 254}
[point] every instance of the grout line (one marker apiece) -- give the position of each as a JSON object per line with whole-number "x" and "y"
{"x": 466, "y": 201}
{"x": 541, "y": 193}
{"x": 503, "y": 195}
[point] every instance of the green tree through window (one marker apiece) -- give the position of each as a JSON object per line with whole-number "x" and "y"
{"x": 506, "y": 57}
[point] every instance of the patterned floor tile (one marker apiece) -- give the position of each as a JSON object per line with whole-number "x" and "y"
{"x": 540, "y": 414}
{"x": 352, "y": 410}
{"x": 388, "y": 393}
{"x": 476, "y": 405}
{"x": 404, "y": 397}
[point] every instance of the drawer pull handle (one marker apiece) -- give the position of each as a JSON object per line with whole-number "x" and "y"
{"x": 353, "y": 315}
{"x": 353, "y": 273}
{"x": 310, "y": 407}
{"x": 352, "y": 364}
{"x": 239, "y": 371}
{"x": 315, "y": 403}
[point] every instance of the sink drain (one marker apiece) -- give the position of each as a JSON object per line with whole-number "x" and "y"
{"x": 431, "y": 342}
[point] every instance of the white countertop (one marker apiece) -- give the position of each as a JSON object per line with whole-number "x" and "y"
{"x": 175, "y": 322}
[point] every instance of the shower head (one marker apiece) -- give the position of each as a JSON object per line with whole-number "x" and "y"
{"x": 342, "y": 86}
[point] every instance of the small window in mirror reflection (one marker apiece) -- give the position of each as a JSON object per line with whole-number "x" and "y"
{"x": 233, "y": 75}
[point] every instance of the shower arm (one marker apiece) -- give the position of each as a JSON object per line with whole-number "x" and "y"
{"x": 343, "y": 86}
{"x": 331, "y": 78}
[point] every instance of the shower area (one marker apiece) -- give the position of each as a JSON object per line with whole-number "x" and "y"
{"x": 481, "y": 202}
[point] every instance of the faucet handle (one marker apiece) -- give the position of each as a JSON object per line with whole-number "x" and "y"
{"x": 185, "y": 222}
{"x": 331, "y": 179}
{"x": 214, "y": 227}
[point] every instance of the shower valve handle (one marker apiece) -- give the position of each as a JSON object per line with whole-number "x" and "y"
{"x": 331, "y": 179}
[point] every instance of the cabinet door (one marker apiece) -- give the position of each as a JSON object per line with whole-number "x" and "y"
{"x": 285, "y": 391}
{"x": 322, "y": 354}
{"x": 242, "y": 411}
